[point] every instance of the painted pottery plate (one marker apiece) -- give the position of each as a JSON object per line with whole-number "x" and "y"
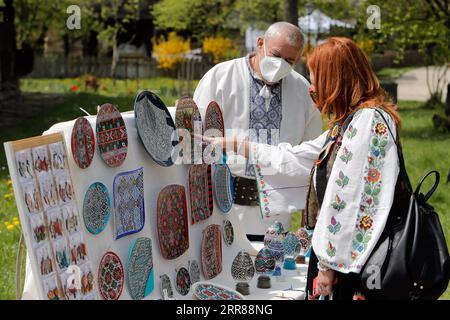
{"x": 211, "y": 251}
{"x": 214, "y": 120}
{"x": 82, "y": 143}
{"x": 110, "y": 276}
{"x": 129, "y": 203}
{"x": 187, "y": 120}
{"x": 200, "y": 191}
{"x": 213, "y": 291}
{"x": 112, "y": 138}
{"x": 140, "y": 269}
{"x": 183, "y": 281}
{"x": 156, "y": 128}
{"x": 223, "y": 187}
{"x": 172, "y": 221}
{"x": 96, "y": 208}
{"x": 166, "y": 285}
{"x": 228, "y": 232}
{"x": 194, "y": 271}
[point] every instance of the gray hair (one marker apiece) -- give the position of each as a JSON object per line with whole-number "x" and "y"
{"x": 292, "y": 33}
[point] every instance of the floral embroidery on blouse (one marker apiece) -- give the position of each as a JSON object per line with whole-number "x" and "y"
{"x": 331, "y": 251}
{"x": 343, "y": 180}
{"x": 338, "y": 204}
{"x": 346, "y": 156}
{"x": 359, "y": 193}
{"x": 334, "y": 226}
{"x": 372, "y": 187}
{"x": 351, "y": 132}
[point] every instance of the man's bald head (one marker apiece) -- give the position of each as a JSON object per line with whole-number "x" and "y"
{"x": 286, "y": 30}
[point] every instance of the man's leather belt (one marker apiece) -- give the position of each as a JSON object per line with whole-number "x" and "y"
{"x": 245, "y": 191}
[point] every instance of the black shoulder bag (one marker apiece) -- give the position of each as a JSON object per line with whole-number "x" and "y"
{"x": 411, "y": 259}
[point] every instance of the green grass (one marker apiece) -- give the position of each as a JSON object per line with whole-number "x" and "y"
{"x": 425, "y": 149}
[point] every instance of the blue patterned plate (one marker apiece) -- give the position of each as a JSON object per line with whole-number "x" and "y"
{"x": 96, "y": 208}
{"x": 140, "y": 269}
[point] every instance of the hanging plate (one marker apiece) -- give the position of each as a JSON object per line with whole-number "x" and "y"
{"x": 96, "y": 208}
{"x": 82, "y": 143}
{"x": 172, "y": 223}
{"x": 156, "y": 128}
{"x": 200, "y": 191}
{"x": 140, "y": 269}
{"x": 112, "y": 138}
{"x": 211, "y": 251}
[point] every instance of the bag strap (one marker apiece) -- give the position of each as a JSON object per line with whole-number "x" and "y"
{"x": 403, "y": 173}
{"x": 433, "y": 188}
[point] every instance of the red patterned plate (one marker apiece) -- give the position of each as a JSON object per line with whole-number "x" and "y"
{"x": 200, "y": 191}
{"x": 214, "y": 120}
{"x": 82, "y": 143}
{"x": 187, "y": 120}
{"x": 112, "y": 138}
{"x": 214, "y": 127}
{"x": 172, "y": 221}
{"x": 211, "y": 251}
{"x": 110, "y": 276}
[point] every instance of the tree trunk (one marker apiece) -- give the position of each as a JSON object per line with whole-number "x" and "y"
{"x": 291, "y": 11}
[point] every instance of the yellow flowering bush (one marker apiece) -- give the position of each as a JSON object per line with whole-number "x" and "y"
{"x": 169, "y": 52}
{"x": 220, "y": 48}
{"x": 367, "y": 45}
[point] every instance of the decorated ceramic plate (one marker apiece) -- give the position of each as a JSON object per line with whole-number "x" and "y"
{"x": 96, "y": 208}
{"x": 112, "y": 138}
{"x": 82, "y": 143}
{"x": 172, "y": 222}
{"x": 110, "y": 276}
{"x": 223, "y": 187}
{"x": 182, "y": 281}
{"x": 140, "y": 269}
{"x": 214, "y": 291}
{"x": 194, "y": 271}
{"x": 211, "y": 251}
{"x": 200, "y": 191}
{"x": 214, "y": 120}
{"x": 156, "y": 128}
{"x": 227, "y": 232}
{"x": 129, "y": 211}
{"x": 213, "y": 127}
{"x": 166, "y": 286}
{"x": 187, "y": 120}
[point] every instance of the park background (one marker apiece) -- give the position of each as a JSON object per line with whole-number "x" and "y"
{"x": 48, "y": 69}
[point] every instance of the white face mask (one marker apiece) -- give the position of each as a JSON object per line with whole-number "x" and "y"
{"x": 273, "y": 69}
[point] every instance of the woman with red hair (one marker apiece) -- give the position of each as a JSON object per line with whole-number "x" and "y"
{"x": 353, "y": 181}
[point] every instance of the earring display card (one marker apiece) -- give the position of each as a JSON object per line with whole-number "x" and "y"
{"x": 46, "y": 203}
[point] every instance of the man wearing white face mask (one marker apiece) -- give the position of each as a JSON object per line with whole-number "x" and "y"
{"x": 262, "y": 99}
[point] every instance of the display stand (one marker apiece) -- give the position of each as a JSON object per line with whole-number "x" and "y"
{"x": 156, "y": 178}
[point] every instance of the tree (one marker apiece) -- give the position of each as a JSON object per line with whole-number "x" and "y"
{"x": 195, "y": 19}
{"x": 291, "y": 11}
{"x": 423, "y": 25}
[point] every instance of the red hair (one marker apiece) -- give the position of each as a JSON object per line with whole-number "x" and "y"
{"x": 345, "y": 82}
